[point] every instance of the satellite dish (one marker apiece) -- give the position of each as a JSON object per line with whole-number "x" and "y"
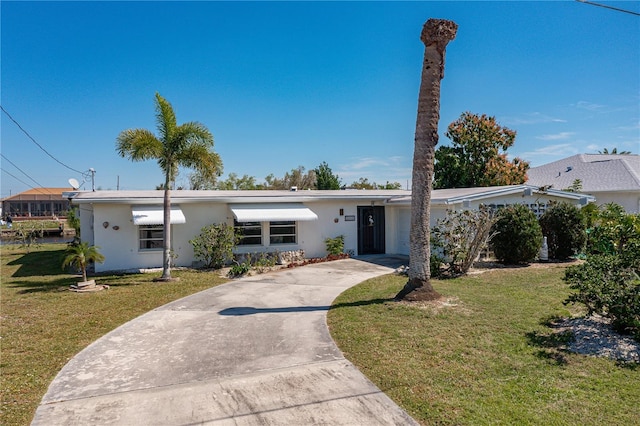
{"x": 74, "y": 183}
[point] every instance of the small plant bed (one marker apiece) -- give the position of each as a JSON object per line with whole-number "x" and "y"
{"x": 314, "y": 260}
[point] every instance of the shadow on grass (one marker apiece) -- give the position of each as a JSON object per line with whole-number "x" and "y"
{"x": 553, "y": 345}
{"x": 248, "y": 310}
{"x": 52, "y": 286}
{"x": 39, "y": 263}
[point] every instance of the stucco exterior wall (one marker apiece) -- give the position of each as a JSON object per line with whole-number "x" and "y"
{"x": 630, "y": 201}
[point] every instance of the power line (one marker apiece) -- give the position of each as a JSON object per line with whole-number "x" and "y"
{"x": 34, "y": 141}
{"x": 606, "y": 6}
{"x": 22, "y": 171}
{"x": 25, "y": 183}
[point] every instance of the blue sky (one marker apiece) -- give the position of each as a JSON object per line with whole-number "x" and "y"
{"x": 283, "y": 84}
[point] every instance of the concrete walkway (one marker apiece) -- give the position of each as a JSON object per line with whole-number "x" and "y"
{"x": 255, "y": 351}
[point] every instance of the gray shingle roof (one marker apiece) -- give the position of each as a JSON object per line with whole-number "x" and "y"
{"x": 598, "y": 173}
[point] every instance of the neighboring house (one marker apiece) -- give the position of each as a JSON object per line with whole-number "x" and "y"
{"x": 609, "y": 178}
{"x": 37, "y": 202}
{"x": 127, "y": 225}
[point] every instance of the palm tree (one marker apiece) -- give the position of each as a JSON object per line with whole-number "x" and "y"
{"x": 187, "y": 145}
{"x": 436, "y": 34}
{"x": 80, "y": 255}
{"x": 614, "y": 151}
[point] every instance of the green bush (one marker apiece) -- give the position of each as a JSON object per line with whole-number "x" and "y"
{"x": 239, "y": 269}
{"x": 214, "y": 246}
{"x": 613, "y": 231}
{"x": 518, "y": 236}
{"x": 607, "y": 285}
{"x": 335, "y": 246}
{"x": 565, "y": 229}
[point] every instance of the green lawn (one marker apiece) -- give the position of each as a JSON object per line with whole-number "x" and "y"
{"x": 43, "y": 324}
{"x": 490, "y": 359}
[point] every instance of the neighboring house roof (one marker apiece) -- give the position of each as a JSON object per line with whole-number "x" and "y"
{"x": 37, "y": 193}
{"x": 438, "y": 196}
{"x": 598, "y": 173}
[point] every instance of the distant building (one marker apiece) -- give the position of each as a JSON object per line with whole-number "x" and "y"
{"x": 37, "y": 202}
{"x": 610, "y": 178}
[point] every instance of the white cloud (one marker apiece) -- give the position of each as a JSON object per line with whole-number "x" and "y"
{"x": 532, "y": 118}
{"x": 556, "y": 136}
{"x": 376, "y": 169}
{"x": 590, "y": 106}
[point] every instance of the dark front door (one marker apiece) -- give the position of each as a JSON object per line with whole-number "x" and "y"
{"x": 371, "y": 230}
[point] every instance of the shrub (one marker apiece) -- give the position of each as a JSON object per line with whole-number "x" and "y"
{"x": 335, "y": 246}
{"x": 614, "y": 232}
{"x": 214, "y": 246}
{"x": 565, "y": 229}
{"x": 607, "y": 285}
{"x": 238, "y": 269}
{"x": 459, "y": 238}
{"x": 518, "y": 236}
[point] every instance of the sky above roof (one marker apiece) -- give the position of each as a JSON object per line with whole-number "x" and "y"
{"x": 288, "y": 84}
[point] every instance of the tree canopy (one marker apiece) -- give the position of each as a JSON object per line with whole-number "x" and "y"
{"x": 477, "y": 156}
{"x": 325, "y": 179}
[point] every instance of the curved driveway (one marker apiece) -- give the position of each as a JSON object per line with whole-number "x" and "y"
{"x": 255, "y": 351}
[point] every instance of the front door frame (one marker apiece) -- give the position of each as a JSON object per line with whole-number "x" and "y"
{"x": 371, "y": 230}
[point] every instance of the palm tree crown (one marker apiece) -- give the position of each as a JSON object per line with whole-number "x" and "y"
{"x": 187, "y": 145}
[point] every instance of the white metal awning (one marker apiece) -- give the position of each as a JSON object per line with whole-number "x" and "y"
{"x": 271, "y": 212}
{"x": 154, "y": 215}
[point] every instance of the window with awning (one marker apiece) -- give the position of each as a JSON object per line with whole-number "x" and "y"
{"x": 276, "y": 212}
{"x": 154, "y": 215}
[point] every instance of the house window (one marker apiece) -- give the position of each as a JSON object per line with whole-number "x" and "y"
{"x": 282, "y": 232}
{"x": 250, "y": 233}
{"x": 151, "y": 237}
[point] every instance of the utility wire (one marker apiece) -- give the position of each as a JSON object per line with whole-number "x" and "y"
{"x": 34, "y": 141}
{"x": 609, "y": 7}
{"x": 22, "y": 171}
{"x": 23, "y": 182}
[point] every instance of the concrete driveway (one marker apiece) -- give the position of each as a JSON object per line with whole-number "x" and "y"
{"x": 255, "y": 351}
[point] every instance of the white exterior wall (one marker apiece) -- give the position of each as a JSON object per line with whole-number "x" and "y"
{"x": 629, "y": 200}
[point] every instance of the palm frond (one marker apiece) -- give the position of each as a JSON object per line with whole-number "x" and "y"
{"x": 165, "y": 118}
{"x": 138, "y": 145}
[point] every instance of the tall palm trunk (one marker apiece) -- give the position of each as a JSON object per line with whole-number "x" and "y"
{"x": 166, "y": 240}
{"x": 436, "y": 34}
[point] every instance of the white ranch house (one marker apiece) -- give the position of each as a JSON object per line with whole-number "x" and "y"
{"x": 127, "y": 225}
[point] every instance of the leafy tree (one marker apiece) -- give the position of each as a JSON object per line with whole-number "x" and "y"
{"x": 391, "y": 185}
{"x": 198, "y": 182}
{"x": 233, "y": 182}
{"x": 80, "y": 255}
{"x": 325, "y": 179}
{"x": 436, "y": 34}
{"x": 576, "y": 186}
{"x": 297, "y": 177}
{"x": 188, "y": 145}
{"x": 517, "y": 235}
{"x": 478, "y": 155}
{"x": 363, "y": 183}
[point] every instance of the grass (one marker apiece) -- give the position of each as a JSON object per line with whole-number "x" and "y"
{"x": 43, "y": 325}
{"x": 490, "y": 359}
